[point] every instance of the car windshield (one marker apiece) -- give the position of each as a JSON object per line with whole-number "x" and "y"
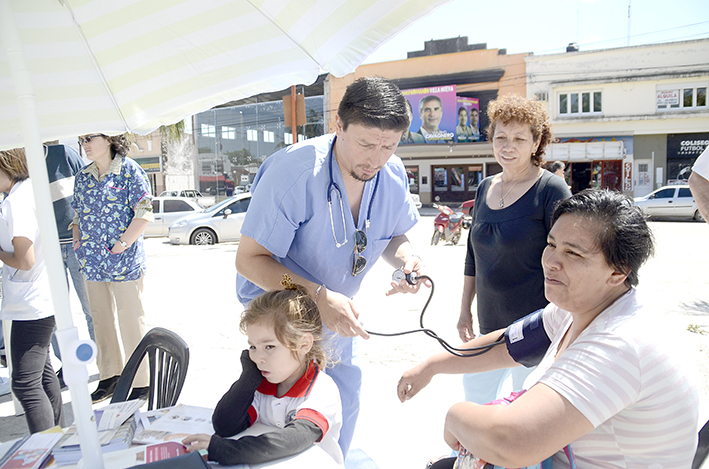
{"x": 220, "y": 205}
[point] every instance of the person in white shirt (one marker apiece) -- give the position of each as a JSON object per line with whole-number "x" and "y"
{"x": 699, "y": 183}
{"x": 610, "y": 382}
{"x": 26, "y": 298}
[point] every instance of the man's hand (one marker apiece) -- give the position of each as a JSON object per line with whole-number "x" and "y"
{"x": 340, "y": 315}
{"x": 413, "y": 381}
{"x": 412, "y": 264}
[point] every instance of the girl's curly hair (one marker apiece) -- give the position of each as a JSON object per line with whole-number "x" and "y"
{"x": 515, "y": 108}
{"x": 292, "y": 312}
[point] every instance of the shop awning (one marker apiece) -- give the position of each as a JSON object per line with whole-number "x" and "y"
{"x": 586, "y": 151}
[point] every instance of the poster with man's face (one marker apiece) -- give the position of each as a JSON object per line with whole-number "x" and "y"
{"x": 468, "y": 125}
{"x": 433, "y": 115}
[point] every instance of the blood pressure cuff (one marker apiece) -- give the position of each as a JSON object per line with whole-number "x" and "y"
{"x": 527, "y": 340}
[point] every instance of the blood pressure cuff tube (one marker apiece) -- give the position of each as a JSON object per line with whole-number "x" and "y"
{"x": 527, "y": 340}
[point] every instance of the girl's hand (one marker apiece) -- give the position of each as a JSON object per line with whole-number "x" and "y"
{"x": 197, "y": 442}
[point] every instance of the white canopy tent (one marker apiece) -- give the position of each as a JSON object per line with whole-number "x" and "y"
{"x": 72, "y": 67}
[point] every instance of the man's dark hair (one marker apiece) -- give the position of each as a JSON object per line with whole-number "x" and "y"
{"x": 374, "y": 102}
{"x": 556, "y": 166}
{"x": 624, "y": 237}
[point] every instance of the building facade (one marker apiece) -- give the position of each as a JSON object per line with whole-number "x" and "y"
{"x": 631, "y": 118}
{"x": 464, "y": 78}
{"x": 234, "y": 139}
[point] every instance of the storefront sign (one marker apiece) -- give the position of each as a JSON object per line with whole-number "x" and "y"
{"x": 628, "y": 176}
{"x": 667, "y": 97}
{"x": 686, "y": 145}
{"x": 150, "y": 164}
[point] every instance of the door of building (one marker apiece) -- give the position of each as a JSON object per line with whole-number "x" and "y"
{"x": 643, "y": 184}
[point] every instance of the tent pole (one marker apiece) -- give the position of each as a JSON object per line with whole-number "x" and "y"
{"x": 74, "y": 353}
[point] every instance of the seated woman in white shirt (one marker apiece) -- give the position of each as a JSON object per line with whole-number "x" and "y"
{"x": 611, "y": 384}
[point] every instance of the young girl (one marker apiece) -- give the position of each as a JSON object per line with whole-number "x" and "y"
{"x": 281, "y": 385}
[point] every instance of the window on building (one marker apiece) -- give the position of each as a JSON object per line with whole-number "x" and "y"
{"x": 669, "y": 98}
{"x": 252, "y": 135}
{"x": 229, "y": 133}
{"x": 208, "y": 130}
{"x": 584, "y": 102}
{"x": 268, "y": 136}
{"x": 287, "y": 138}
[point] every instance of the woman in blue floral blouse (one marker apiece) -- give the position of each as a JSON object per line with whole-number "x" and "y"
{"x": 113, "y": 205}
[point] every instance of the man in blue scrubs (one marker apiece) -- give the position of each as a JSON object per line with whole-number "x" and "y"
{"x": 324, "y": 210}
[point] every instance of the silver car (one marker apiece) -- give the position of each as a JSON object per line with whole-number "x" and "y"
{"x": 670, "y": 201}
{"x": 217, "y": 224}
{"x": 168, "y": 210}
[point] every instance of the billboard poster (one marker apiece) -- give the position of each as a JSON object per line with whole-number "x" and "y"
{"x": 468, "y": 128}
{"x": 433, "y": 118}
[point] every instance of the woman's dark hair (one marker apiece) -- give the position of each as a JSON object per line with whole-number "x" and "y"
{"x": 515, "y": 108}
{"x": 374, "y": 102}
{"x": 624, "y": 237}
{"x": 120, "y": 145}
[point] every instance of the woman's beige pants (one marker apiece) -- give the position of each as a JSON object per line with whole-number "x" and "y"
{"x": 121, "y": 300}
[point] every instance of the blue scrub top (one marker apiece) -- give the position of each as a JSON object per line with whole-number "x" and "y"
{"x": 289, "y": 216}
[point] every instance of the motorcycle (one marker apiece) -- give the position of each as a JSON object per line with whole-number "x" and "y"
{"x": 448, "y": 225}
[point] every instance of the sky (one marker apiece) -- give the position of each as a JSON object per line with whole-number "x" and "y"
{"x": 548, "y": 26}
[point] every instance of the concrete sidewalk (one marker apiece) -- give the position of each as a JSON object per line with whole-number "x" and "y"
{"x": 190, "y": 290}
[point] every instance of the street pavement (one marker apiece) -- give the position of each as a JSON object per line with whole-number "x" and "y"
{"x": 191, "y": 290}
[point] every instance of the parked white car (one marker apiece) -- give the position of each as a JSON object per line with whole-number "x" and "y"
{"x": 167, "y": 210}
{"x": 670, "y": 201}
{"x": 217, "y": 224}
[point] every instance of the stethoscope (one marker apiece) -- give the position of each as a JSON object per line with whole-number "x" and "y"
{"x": 413, "y": 278}
{"x": 399, "y": 274}
{"x": 334, "y": 185}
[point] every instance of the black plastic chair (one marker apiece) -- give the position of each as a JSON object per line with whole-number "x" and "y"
{"x": 702, "y": 448}
{"x": 168, "y": 356}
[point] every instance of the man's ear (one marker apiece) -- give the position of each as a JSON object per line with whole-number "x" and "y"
{"x": 339, "y": 125}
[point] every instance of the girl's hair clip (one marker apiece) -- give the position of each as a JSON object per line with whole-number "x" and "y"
{"x": 287, "y": 283}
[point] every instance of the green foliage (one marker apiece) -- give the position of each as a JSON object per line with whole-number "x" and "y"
{"x": 696, "y": 329}
{"x": 174, "y": 132}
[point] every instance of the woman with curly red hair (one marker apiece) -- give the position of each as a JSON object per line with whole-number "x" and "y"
{"x": 511, "y": 220}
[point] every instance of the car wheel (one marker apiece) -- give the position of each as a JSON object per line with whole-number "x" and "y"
{"x": 698, "y": 216}
{"x": 436, "y": 238}
{"x": 203, "y": 236}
